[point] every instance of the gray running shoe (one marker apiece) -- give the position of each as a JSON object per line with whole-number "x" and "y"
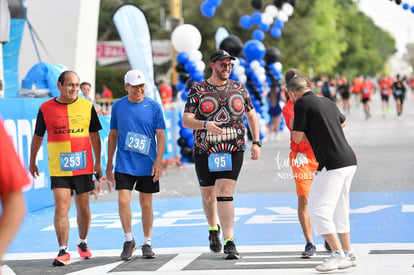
{"x": 129, "y": 248}
{"x": 214, "y": 238}
{"x": 147, "y": 252}
{"x": 310, "y": 251}
{"x": 230, "y": 252}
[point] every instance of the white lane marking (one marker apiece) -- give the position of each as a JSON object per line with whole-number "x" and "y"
{"x": 179, "y": 262}
{"x": 280, "y": 263}
{"x": 406, "y": 208}
{"x": 101, "y": 269}
{"x": 6, "y": 270}
{"x": 283, "y": 256}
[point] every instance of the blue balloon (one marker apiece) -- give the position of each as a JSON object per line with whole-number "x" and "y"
{"x": 190, "y": 66}
{"x": 412, "y": 9}
{"x": 406, "y": 6}
{"x": 207, "y": 9}
{"x": 182, "y": 57}
{"x": 197, "y": 76}
{"x": 186, "y": 133}
{"x": 246, "y": 22}
{"x": 180, "y": 86}
{"x": 264, "y": 27}
{"x": 254, "y": 50}
{"x": 278, "y": 24}
{"x": 256, "y": 17}
{"x": 258, "y": 35}
{"x": 276, "y": 32}
{"x": 190, "y": 142}
{"x": 214, "y": 3}
{"x": 185, "y": 159}
{"x": 184, "y": 95}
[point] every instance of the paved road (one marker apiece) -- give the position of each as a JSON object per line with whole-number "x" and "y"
{"x": 267, "y": 231}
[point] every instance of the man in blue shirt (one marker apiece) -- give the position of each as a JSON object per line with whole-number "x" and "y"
{"x": 138, "y": 132}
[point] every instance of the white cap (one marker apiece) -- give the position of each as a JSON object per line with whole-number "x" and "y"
{"x": 134, "y": 78}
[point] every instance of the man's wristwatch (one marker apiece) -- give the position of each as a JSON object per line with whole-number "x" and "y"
{"x": 258, "y": 143}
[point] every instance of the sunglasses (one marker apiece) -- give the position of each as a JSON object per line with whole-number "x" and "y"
{"x": 225, "y": 65}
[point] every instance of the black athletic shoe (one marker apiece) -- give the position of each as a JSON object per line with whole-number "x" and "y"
{"x": 230, "y": 252}
{"x": 214, "y": 238}
{"x": 147, "y": 252}
{"x": 327, "y": 247}
{"x": 129, "y": 248}
{"x": 310, "y": 251}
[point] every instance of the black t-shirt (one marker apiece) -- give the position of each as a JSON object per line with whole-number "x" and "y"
{"x": 320, "y": 120}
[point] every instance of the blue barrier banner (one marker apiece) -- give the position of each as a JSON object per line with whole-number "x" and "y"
{"x": 171, "y": 121}
{"x": 11, "y": 58}
{"x": 19, "y": 116}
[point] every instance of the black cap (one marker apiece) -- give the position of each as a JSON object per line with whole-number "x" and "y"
{"x": 221, "y": 55}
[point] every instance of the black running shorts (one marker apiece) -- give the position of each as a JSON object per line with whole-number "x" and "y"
{"x": 144, "y": 184}
{"x": 81, "y": 183}
{"x": 207, "y": 178}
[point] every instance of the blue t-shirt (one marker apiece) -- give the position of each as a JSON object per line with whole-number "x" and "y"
{"x": 136, "y": 124}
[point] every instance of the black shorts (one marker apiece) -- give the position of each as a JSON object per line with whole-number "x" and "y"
{"x": 207, "y": 178}
{"x": 144, "y": 184}
{"x": 399, "y": 97}
{"x": 384, "y": 98}
{"x": 365, "y": 100}
{"x": 81, "y": 184}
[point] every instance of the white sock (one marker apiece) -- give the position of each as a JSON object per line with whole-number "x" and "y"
{"x": 64, "y": 247}
{"x": 147, "y": 240}
{"x": 82, "y": 241}
{"x": 128, "y": 237}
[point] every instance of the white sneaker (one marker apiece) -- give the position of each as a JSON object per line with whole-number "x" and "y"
{"x": 351, "y": 257}
{"x": 336, "y": 261}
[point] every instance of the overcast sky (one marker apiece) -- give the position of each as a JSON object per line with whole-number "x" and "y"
{"x": 392, "y": 18}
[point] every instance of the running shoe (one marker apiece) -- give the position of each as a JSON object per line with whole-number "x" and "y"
{"x": 84, "y": 251}
{"x": 230, "y": 252}
{"x": 327, "y": 247}
{"x": 336, "y": 261}
{"x": 214, "y": 238}
{"x": 310, "y": 251}
{"x": 129, "y": 248}
{"x": 351, "y": 258}
{"x": 147, "y": 252}
{"x": 63, "y": 258}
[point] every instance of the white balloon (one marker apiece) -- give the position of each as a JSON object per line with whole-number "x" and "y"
{"x": 186, "y": 38}
{"x": 239, "y": 70}
{"x": 195, "y": 55}
{"x": 282, "y": 16}
{"x": 262, "y": 78}
{"x": 288, "y": 8}
{"x": 272, "y": 10}
{"x": 236, "y": 62}
{"x": 260, "y": 71}
{"x": 242, "y": 78}
{"x": 254, "y": 65}
{"x": 278, "y": 66}
{"x": 200, "y": 65}
{"x": 267, "y": 19}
